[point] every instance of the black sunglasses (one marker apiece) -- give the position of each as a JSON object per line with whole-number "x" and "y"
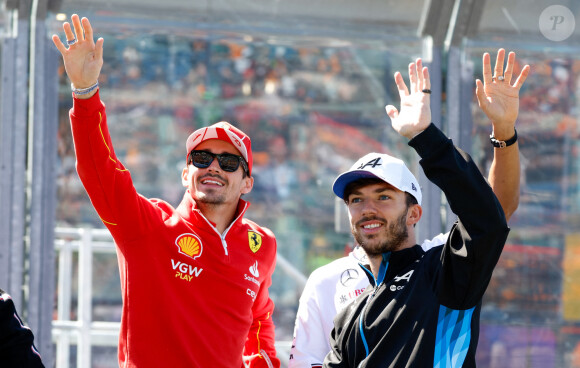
{"x": 227, "y": 161}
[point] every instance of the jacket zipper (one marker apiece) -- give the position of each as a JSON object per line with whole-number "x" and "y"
{"x": 223, "y": 236}
{"x": 378, "y": 282}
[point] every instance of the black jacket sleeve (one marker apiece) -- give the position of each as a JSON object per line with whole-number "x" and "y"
{"x": 476, "y": 240}
{"x": 16, "y": 340}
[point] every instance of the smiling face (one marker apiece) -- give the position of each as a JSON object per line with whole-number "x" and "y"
{"x": 381, "y": 219}
{"x": 212, "y": 185}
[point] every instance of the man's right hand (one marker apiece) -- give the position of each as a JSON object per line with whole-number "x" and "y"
{"x": 83, "y": 59}
{"x": 415, "y": 113}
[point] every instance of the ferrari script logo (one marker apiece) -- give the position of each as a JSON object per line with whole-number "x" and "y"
{"x": 255, "y": 240}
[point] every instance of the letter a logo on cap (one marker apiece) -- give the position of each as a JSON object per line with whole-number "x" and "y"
{"x": 372, "y": 163}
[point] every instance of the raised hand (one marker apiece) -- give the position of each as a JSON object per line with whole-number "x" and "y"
{"x": 415, "y": 114}
{"x": 497, "y": 97}
{"x": 83, "y": 59}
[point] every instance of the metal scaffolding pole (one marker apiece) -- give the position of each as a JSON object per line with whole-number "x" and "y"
{"x": 28, "y": 160}
{"x": 13, "y": 137}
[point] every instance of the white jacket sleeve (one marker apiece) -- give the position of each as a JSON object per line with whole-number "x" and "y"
{"x": 310, "y": 344}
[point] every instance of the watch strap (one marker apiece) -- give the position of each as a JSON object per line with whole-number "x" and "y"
{"x": 502, "y": 144}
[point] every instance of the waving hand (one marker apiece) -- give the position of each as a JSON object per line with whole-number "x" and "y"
{"x": 415, "y": 114}
{"x": 83, "y": 58}
{"x": 497, "y": 96}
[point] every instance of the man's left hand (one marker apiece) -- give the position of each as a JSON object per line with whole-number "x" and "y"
{"x": 497, "y": 97}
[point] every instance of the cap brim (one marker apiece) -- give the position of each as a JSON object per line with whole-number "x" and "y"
{"x": 348, "y": 177}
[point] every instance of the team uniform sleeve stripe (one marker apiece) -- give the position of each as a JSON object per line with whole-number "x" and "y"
{"x": 107, "y": 222}
{"x": 461, "y": 344}
{"x": 110, "y": 158}
{"x": 453, "y": 337}
{"x": 105, "y": 141}
{"x": 258, "y": 334}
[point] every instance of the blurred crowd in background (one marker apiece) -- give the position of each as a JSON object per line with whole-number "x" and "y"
{"x": 311, "y": 111}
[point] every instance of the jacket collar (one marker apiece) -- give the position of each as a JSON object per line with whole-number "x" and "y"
{"x": 393, "y": 263}
{"x": 190, "y": 212}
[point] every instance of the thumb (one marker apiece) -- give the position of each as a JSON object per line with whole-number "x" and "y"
{"x": 392, "y": 111}
{"x": 99, "y": 48}
{"x": 480, "y": 93}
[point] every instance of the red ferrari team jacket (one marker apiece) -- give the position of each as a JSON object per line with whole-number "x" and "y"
{"x": 192, "y": 297}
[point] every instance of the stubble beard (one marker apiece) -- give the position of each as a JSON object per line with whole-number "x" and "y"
{"x": 395, "y": 235}
{"x": 211, "y": 197}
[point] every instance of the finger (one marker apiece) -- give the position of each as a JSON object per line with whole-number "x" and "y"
{"x": 403, "y": 91}
{"x": 498, "y": 70}
{"x": 78, "y": 27}
{"x": 522, "y": 77}
{"x": 420, "y": 78}
{"x": 509, "y": 69}
{"x": 58, "y": 43}
{"x": 426, "y": 78}
{"x": 88, "y": 29}
{"x": 392, "y": 111}
{"x": 68, "y": 32}
{"x": 480, "y": 94}
{"x": 412, "y": 78}
{"x": 486, "y": 69}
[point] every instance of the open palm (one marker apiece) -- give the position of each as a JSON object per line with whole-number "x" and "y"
{"x": 498, "y": 98}
{"x": 415, "y": 113}
{"x": 83, "y": 59}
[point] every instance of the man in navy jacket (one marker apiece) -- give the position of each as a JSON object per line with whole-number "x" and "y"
{"x": 422, "y": 309}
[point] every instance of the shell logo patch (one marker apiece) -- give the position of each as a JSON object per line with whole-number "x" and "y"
{"x": 190, "y": 245}
{"x": 255, "y": 241}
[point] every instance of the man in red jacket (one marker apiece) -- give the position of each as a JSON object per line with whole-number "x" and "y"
{"x": 194, "y": 279}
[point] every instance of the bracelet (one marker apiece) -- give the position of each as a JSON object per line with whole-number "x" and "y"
{"x": 84, "y": 91}
{"x": 506, "y": 143}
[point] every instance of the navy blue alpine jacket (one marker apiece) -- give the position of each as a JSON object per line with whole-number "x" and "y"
{"x": 423, "y": 309}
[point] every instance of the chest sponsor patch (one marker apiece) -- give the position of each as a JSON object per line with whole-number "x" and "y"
{"x": 347, "y": 297}
{"x": 349, "y": 276}
{"x": 189, "y": 245}
{"x": 254, "y": 270}
{"x": 406, "y": 277}
{"x": 255, "y": 241}
{"x": 255, "y": 273}
{"x": 184, "y": 271}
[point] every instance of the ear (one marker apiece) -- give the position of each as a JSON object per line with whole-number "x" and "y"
{"x": 185, "y": 177}
{"x": 414, "y": 214}
{"x": 247, "y": 185}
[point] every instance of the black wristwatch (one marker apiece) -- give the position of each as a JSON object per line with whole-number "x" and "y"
{"x": 506, "y": 143}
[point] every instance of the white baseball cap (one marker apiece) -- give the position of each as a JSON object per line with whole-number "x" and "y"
{"x": 382, "y": 166}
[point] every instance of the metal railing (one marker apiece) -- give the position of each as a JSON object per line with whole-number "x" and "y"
{"x": 83, "y": 331}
